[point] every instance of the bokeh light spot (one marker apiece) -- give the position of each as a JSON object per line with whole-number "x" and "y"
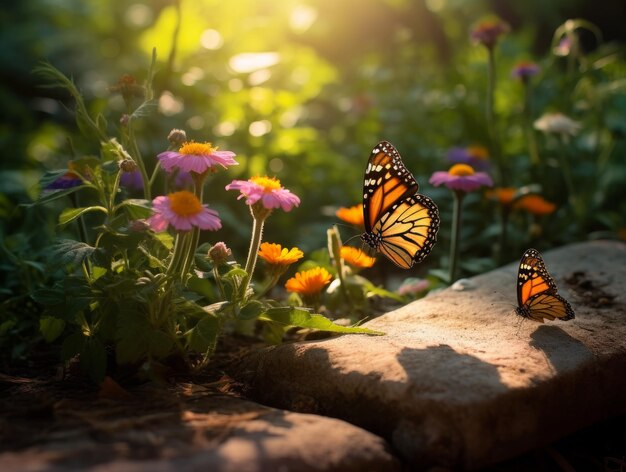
{"x": 138, "y": 15}
{"x": 302, "y": 18}
{"x": 169, "y": 105}
{"x": 276, "y": 164}
{"x": 196, "y": 122}
{"x": 247, "y": 62}
{"x": 211, "y": 39}
{"x": 259, "y": 128}
{"x": 225, "y": 128}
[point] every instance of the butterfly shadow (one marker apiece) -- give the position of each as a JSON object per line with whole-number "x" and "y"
{"x": 563, "y": 352}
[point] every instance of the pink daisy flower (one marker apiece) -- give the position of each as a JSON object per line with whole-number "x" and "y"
{"x": 461, "y": 177}
{"x": 267, "y": 190}
{"x": 183, "y": 211}
{"x": 196, "y": 157}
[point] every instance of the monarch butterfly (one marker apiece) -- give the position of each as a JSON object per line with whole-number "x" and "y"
{"x": 399, "y": 222}
{"x": 536, "y": 291}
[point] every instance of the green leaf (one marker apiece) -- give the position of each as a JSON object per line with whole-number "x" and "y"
{"x": 137, "y": 208}
{"x": 203, "y": 337}
{"x": 6, "y": 326}
{"x": 50, "y": 196}
{"x": 68, "y": 251}
{"x": 215, "y": 308}
{"x": 383, "y": 293}
{"x": 145, "y": 109}
{"x": 251, "y": 310}
{"x": 201, "y": 286}
{"x": 49, "y": 296}
{"x": 70, "y": 214}
{"x": 294, "y": 316}
{"x": 236, "y": 272}
{"x": 51, "y": 327}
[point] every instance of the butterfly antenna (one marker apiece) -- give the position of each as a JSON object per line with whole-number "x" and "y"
{"x": 350, "y": 239}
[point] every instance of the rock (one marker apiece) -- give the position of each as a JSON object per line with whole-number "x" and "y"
{"x": 192, "y": 429}
{"x": 459, "y": 381}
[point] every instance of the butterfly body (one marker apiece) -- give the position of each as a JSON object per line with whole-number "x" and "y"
{"x": 399, "y": 222}
{"x": 537, "y": 296}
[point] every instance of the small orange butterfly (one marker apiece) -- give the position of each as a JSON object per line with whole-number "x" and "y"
{"x": 537, "y": 296}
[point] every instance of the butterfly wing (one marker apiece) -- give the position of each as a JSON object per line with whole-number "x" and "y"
{"x": 547, "y": 306}
{"x": 537, "y": 296}
{"x": 407, "y": 232}
{"x": 387, "y": 181}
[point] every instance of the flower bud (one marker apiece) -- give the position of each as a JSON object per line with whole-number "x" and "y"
{"x": 128, "y": 165}
{"x": 219, "y": 253}
{"x": 177, "y": 137}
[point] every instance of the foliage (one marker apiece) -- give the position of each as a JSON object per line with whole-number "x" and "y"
{"x": 299, "y": 89}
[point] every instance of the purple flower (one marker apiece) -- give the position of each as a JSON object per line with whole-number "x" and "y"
{"x": 525, "y": 70}
{"x": 132, "y": 180}
{"x": 266, "y": 190}
{"x": 183, "y": 211}
{"x": 196, "y": 157}
{"x": 488, "y": 31}
{"x": 475, "y": 156}
{"x": 461, "y": 177}
{"x": 68, "y": 180}
{"x": 65, "y": 181}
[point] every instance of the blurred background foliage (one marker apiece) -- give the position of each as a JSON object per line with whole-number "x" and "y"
{"x": 303, "y": 89}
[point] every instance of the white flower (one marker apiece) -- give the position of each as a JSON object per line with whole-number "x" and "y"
{"x": 557, "y": 123}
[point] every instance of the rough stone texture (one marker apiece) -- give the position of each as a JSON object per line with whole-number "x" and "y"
{"x": 459, "y": 380}
{"x": 191, "y": 429}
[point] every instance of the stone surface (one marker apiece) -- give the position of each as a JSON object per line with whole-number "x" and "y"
{"x": 190, "y": 428}
{"x": 459, "y": 380}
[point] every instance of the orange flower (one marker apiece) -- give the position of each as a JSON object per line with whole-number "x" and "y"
{"x": 356, "y": 257}
{"x": 535, "y": 204}
{"x": 275, "y": 254}
{"x": 504, "y": 195}
{"x": 352, "y": 215}
{"x": 309, "y": 282}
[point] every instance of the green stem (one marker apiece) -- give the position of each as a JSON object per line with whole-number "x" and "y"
{"x": 273, "y": 281}
{"x": 136, "y": 155}
{"x": 179, "y": 245}
{"x": 195, "y": 233}
{"x": 255, "y": 243}
{"x": 218, "y": 282}
{"x": 116, "y": 184}
{"x": 528, "y": 123}
{"x": 82, "y": 228}
{"x": 456, "y": 229}
{"x": 491, "y": 117}
{"x": 569, "y": 182}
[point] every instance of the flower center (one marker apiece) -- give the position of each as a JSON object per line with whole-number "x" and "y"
{"x": 461, "y": 170}
{"x": 268, "y": 183}
{"x": 197, "y": 149}
{"x": 184, "y": 203}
